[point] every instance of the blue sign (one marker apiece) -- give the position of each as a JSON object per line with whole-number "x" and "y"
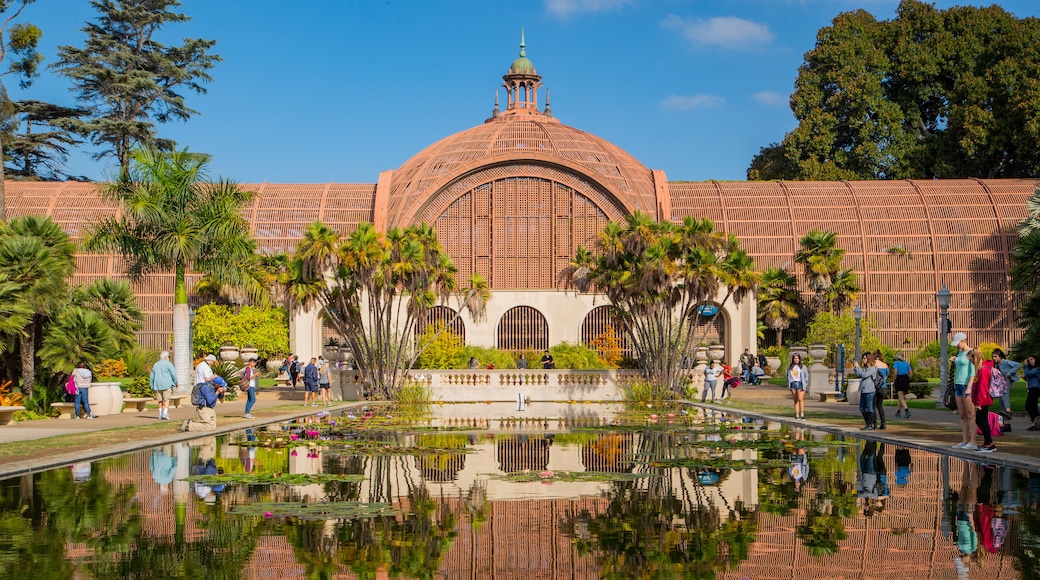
{"x": 708, "y": 310}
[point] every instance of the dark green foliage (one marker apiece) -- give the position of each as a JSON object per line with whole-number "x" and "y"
{"x": 1025, "y": 277}
{"x": 40, "y": 151}
{"x": 131, "y": 80}
{"x": 929, "y": 94}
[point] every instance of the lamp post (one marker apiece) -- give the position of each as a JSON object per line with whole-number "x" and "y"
{"x": 857, "y": 313}
{"x": 943, "y": 299}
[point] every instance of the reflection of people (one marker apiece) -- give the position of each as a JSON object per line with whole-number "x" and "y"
{"x": 548, "y": 362}
{"x": 163, "y": 466}
{"x": 867, "y": 487}
{"x": 967, "y": 537}
{"x": 985, "y": 513}
{"x": 205, "y": 414}
{"x": 904, "y": 465}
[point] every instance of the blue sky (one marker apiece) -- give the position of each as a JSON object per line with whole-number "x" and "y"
{"x": 337, "y": 90}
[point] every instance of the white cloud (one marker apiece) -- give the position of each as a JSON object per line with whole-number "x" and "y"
{"x": 690, "y": 102}
{"x": 722, "y": 31}
{"x": 566, "y": 8}
{"x": 770, "y": 98}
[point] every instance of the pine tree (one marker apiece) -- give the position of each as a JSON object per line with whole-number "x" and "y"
{"x": 130, "y": 80}
{"x": 41, "y": 150}
{"x": 20, "y": 40}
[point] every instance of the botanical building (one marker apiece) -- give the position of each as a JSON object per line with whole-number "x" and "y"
{"x": 514, "y": 197}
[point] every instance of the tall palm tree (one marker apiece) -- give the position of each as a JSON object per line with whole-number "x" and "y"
{"x": 77, "y": 334}
{"x": 778, "y": 300}
{"x": 1031, "y": 223}
{"x": 38, "y": 256}
{"x": 842, "y": 291}
{"x": 174, "y": 220}
{"x": 115, "y": 302}
{"x": 821, "y": 258}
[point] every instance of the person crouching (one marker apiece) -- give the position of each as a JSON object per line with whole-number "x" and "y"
{"x": 205, "y": 414}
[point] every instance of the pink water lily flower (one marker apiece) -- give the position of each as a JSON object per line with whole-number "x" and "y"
{"x": 294, "y": 436}
{"x": 294, "y": 453}
{"x": 547, "y": 474}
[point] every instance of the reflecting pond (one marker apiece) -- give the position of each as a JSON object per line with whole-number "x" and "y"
{"x": 571, "y": 491}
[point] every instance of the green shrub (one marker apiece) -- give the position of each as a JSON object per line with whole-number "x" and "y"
{"x": 139, "y": 361}
{"x": 443, "y": 352}
{"x": 831, "y": 330}
{"x": 216, "y": 325}
{"x": 925, "y": 367}
{"x": 485, "y": 356}
{"x": 921, "y": 390}
{"x": 413, "y": 393}
{"x": 642, "y": 392}
{"x": 139, "y": 387}
{"x": 27, "y": 415}
{"x": 928, "y": 349}
{"x": 569, "y": 355}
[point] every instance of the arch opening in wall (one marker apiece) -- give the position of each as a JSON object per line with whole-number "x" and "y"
{"x": 709, "y": 326}
{"x": 522, "y": 328}
{"x": 442, "y": 315}
{"x": 602, "y": 327}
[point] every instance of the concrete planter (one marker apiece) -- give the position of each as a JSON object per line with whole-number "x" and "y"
{"x": 249, "y": 353}
{"x": 228, "y": 353}
{"x": 105, "y": 398}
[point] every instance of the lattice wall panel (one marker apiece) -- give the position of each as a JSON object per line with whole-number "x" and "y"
{"x": 522, "y": 328}
{"x": 903, "y": 238}
{"x": 596, "y": 324}
{"x": 446, "y": 316}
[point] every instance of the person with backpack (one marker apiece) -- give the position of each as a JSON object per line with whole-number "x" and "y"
{"x": 1009, "y": 371}
{"x": 982, "y": 398}
{"x": 311, "y": 380}
{"x": 205, "y": 396}
{"x": 80, "y": 378}
{"x": 294, "y": 370}
{"x": 163, "y": 381}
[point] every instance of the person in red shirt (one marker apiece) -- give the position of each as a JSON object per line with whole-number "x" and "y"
{"x": 981, "y": 398}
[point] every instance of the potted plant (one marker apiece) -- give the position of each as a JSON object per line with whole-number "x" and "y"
{"x": 772, "y": 354}
{"x": 228, "y": 352}
{"x": 331, "y": 350}
{"x": 716, "y": 351}
{"x": 249, "y": 352}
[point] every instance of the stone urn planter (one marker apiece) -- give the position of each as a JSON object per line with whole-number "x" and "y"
{"x": 249, "y": 353}
{"x": 716, "y": 352}
{"x": 344, "y": 354}
{"x": 799, "y": 350}
{"x": 818, "y": 352}
{"x": 774, "y": 364}
{"x": 105, "y": 398}
{"x": 228, "y": 353}
{"x": 273, "y": 364}
{"x": 700, "y": 355}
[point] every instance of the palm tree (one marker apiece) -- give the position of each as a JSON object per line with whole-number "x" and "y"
{"x": 778, "y": 300}
{"x": 14, "y": 312}
{"x": 77, "y": 334}
{"x": 115, "y": 302}
{"x": 1032, "y": 221}
{"x": 842, "y": 291}
{"x": 36, "y": 255}
{"x": 821, "y": 258}
{"x": 173, "y": 220}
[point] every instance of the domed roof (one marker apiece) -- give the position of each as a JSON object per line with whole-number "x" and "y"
{"x": 535, "y": 140}
{"x": 522, "y": 66}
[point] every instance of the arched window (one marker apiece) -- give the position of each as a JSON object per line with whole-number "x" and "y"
{"x": 443, "y": 315}
{"x": 522, "y": 328}
{"x": 709, "y": 327}
{"x": 602, "y": 329}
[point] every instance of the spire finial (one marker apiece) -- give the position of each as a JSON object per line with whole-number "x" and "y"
{"x": 495, "y": 112}
{"x": 548, "y": 108}
{"x": 523, "y": 46}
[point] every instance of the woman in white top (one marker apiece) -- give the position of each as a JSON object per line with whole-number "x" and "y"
{"x": 711, "y": 379}
{"x": 798, "y": 381}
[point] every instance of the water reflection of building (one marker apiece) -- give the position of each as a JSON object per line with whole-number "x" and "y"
{"x": 506, "y": 530}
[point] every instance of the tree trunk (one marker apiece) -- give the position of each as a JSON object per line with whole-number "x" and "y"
{"x": 3, "y": 202}
{"x": 779, "y": 337}
{"x": 28, "y": 359}
{"x": 182, "y": 333}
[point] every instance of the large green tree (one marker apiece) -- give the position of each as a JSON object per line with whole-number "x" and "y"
{"x": 174, "y": 221}
{"x": 129, "y": 79}
{"x": 39, "y": 139}
{"x": 374, "y": 288}
{"x": 20, "y": 42}
{"x": 929, "y": 94}
{"x": 659, "y": 275}
{"x": 36, "y": 255}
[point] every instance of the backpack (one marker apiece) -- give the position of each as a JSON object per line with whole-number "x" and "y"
{"x": 196, "y": 395}
{"x": 294, "y": 366}
{"x": 70, "y": 385}
{"x": 998, "y": 384}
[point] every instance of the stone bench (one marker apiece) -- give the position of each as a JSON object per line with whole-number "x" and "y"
{"x": 7, "y": 414}
{"x": 175, "y": 401}
{"x": 828, "y": 396}
{"x": 136, "y": 404}
{"x": 65, "y": 409}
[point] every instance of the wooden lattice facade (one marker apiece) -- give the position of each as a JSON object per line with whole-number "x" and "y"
{"x": 523, "y": 328}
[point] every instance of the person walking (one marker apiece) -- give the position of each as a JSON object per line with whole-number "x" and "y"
{"x": 325, "y": 382}
{"x": 868, "y": 377}
{"x": 82, "y": 376}
{"x": 1009, "y": 369}
{"x": 881, "y": 389}
{"x": 294, "y": 371}
{"x": 963, "y": 377}
{"x": 798, "y": 383}
{"x": 205, "y": 414}
{"x": 163, "y": 380}
{"x": 1031, "y": 373}
{"x": 901, "y": 384}
{"x": 248, "y": 383}
{"x": 310, "y": 383}
{"x": 711, "y": 380}
{"x": 981, "y": 398}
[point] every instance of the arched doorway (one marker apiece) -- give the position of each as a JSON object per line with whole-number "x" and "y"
{"x": 709, "y": 325}
{"x": 442, "y": 315}
{"x": 522, "y": 328}
{"x": 603, "y": 331}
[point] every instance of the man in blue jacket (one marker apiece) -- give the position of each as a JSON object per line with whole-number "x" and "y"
{"x": 310, "y": 383}
{"x": 205, "y": 414}
{"x": 163, "y": 381}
